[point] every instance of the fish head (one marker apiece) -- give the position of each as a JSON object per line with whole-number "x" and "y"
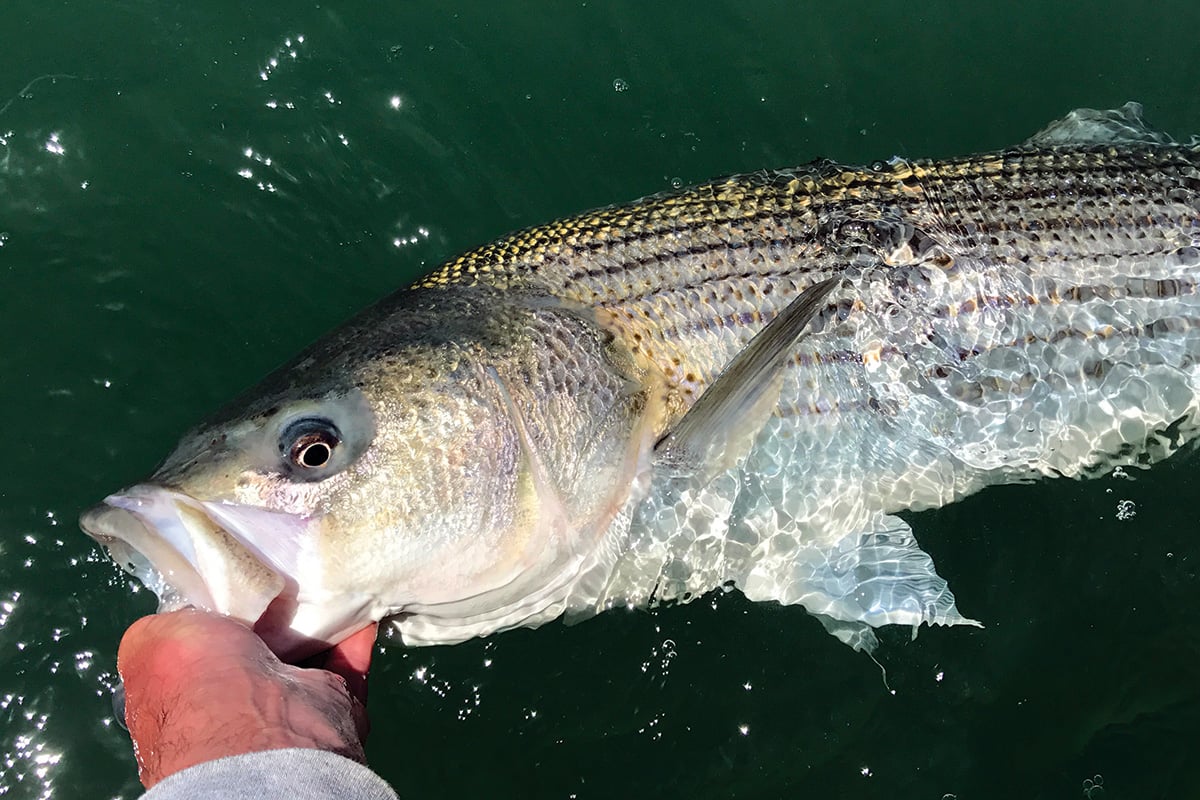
{"x": 236, "y": 518}
{"x": 449, "y": 463}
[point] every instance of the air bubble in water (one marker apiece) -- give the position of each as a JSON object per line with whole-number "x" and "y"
{"x": 1126, "y": 509}
{"x": 620, "y": 85}
{"x": 1093, "y": 788}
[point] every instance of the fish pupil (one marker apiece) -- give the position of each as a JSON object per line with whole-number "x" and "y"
{"x": 315, "y": 454}
{"x": 309, "y": 443}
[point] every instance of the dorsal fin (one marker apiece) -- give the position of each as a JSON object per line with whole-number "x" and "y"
{"x": 1085, "y": 126}
{"x": 742, "y": 397}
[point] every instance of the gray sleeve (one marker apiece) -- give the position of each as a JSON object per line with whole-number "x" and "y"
{"x": 292, "y": 774}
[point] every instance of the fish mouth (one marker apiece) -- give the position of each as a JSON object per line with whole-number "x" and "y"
{"x": 256, "y": 565}
{"x": 196, "y": 553}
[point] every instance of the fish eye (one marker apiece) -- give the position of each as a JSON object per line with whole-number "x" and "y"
{"x": 310, "y": 443}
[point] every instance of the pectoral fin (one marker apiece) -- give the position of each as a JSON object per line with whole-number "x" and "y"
{"x": 716, "y": 429}
{"x": 878, "y": 577}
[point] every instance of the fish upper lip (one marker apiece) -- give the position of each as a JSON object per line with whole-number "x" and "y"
{"x": 177, "y": 548}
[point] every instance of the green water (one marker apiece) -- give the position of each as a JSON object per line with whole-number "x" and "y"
{"x": 191, "y": 192}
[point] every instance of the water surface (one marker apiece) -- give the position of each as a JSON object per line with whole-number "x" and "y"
{"x": 189, "y": 193}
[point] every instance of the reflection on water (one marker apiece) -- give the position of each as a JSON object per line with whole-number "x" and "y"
{"x": 50, "y": 661}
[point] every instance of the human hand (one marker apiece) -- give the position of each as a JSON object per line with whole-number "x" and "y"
{"x": 200, "y": 686}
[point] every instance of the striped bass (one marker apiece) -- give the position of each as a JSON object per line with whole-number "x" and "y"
{"x": 737, "y": 384}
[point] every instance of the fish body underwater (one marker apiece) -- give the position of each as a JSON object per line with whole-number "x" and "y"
{"x": 632, "y": 406}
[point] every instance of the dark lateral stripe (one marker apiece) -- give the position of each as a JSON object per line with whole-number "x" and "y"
{"x": 951, "y": 190}
{"x": 1028, "y": 186}
{"x": 786, "y": 242}
{"x": 1131, "y": 288}
{"x": 642, "y": 237}
{"x": 967, "y": 388}
{"x": 1147, "y": 330}
{"x": 1151, "y": 289}
{"x": 813, "y": 237}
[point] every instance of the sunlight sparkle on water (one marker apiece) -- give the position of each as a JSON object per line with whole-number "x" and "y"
{"x": 53, "y": 145}
{"x": 248, "y": 174}
{"x": 652, "y": 728}
{"x": 402, "y": 240}
{"x": 29, "y": 762}
{"x": 83, "y": 661}
{"x": 286, "y": 52}
{"x": 395, "y": 102}
{"x": 8, "y": 607}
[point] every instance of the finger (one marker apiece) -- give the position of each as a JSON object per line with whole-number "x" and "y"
{"x": 351, "y": 659}
{"x": 147, "y": 636}
{"x": 166, "y": 644}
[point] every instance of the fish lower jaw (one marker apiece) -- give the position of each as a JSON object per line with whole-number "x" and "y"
{"x": 155, "y": 564}
{"x": 166, "y": 541}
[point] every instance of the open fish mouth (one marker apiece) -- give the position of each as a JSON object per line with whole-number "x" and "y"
{"x": 196, "y": 553}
